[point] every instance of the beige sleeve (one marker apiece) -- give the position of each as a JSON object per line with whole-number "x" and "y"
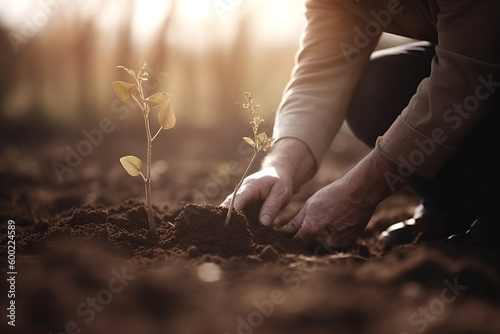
{"x": 462, "y": 88}
{"x": 330, "y": 60}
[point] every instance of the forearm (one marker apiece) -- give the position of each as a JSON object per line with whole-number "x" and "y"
{"x": 373, "y": 179}
{"x": 293, "y": 158}
{"x": 316, "y": 98}
{"x": 461, "y": 90}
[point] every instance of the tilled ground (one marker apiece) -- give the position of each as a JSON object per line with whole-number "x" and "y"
{"x": 86, "y": 263}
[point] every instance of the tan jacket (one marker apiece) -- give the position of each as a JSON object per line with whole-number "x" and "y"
{"x": 336, "y": 44}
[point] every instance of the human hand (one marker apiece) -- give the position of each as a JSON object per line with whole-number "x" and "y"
{"x": 330, "y": 218}
{"x": 284, "y": 170}
{"x": 338, "y": 213}
{"x": 271, "y": 185}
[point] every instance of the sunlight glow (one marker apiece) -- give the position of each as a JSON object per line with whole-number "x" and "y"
{"x": 209, "y": 272}
{"x": 12, "y": 12}
{"x": 148, "y": 17}
{"x": 198, "y": 24}
{"x": 193, "y": 12}
{"x": 279, "y": 20}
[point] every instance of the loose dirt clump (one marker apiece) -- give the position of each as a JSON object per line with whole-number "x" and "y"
{"x": 200, "y": 230}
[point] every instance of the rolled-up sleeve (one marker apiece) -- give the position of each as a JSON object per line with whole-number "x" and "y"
{"x": 328, "y": 65}
{"x": 463, "y": 87}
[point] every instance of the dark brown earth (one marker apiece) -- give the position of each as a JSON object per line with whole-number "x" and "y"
{"x": 86, "y": 263}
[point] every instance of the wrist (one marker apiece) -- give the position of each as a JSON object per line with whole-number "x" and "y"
{"x": 293, "y": 158}
{"x": 369, "y": 182}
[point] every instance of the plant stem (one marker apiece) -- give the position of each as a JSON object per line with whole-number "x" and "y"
{"x": 230, "y": 210}
{"x": 147, "y": 181}
{"x": 157, "y": 133}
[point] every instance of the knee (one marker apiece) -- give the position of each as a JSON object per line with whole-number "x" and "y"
{"x": 386, "y": 86}
{"x": 380, "y": 96}
{"x": 364, "y": 115}
{"x": 357, "y": 119}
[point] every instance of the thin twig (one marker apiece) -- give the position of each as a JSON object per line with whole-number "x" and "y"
{"x": 159, "y": 130}
{"x": 228, "y": 217}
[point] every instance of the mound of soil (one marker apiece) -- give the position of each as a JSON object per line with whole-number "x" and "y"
{"x": 200, "y": 229}
{"x": 121, "y": 229}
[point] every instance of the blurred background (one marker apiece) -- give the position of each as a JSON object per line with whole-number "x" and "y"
{"x": 59, "y": 57}
{"x": 58, "y": 60}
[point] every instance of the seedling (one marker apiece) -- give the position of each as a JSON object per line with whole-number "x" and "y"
{"x": 166, "y": 117}
{"x": 259, "y": 142}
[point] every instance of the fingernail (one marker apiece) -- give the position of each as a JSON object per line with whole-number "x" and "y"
{"x": 265, "y": 220}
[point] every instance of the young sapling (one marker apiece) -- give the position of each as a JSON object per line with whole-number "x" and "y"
{"x": 259, "y": 142}
{"x": 166, "y": 117}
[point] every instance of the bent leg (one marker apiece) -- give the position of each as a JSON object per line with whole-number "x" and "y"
{"x": 389, "y": 81}
{"x": 386, "y": 86}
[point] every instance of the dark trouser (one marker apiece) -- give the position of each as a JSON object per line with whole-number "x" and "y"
{"x": 468, "y": 186}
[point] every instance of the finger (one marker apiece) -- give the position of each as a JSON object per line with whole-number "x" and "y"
{"x": 276, "y": 200}
{"x": 307, "y": 233}
{"x": 327, "y": 245}
{"x": 295, "y": 224}
{"x": 227, "y": 201}
{"x": 246, "y": 194}
{"x": 239, "y": 202}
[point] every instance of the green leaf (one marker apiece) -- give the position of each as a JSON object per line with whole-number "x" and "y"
{"x": 129, "y": 71}
{"x": 249, "y": 141}
{"x": 124, "y": 90}
{"x": 131, "y": 164}
{"x": 166, "y": 116}
{"x": 158, "y": 98}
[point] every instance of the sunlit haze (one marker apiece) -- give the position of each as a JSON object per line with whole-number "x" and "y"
{"x": 211, "y": 49}
{"x": 211, "y": 19}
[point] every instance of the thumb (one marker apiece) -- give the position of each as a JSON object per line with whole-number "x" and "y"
{"x": 245, "y": 195}
{"x": 294, "y": 225}
{"x": 227, "y": 201}
{"x": 279, "y": 196}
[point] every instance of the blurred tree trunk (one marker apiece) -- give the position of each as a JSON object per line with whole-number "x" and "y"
{"x": 85, "y": 67}
{"x": 235, "y": 61}
{"x": 9, "y": 65}
{"x": 160, "y": 47}
{"x": 125, "y": 48}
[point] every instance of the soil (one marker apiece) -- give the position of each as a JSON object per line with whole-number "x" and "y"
{"x": 86, "y": 262}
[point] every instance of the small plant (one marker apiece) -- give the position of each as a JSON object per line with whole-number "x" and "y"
{"x": 259, "y": 142}
{"x": 166, "y": 117}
